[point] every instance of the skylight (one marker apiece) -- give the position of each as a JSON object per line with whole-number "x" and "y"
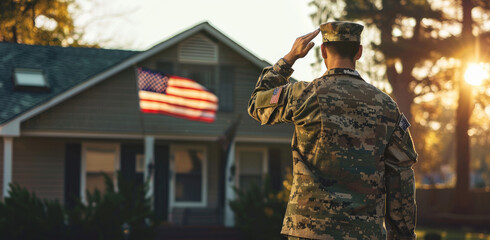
{"x": 29, "y": 78}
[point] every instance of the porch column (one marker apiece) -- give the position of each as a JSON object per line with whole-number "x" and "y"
{"x": 7, "y": 164}
{"x": 149, "y": 163}
{"x": 229, "y": 184}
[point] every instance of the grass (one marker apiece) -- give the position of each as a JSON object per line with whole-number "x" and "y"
{"x": 452, "y": 234}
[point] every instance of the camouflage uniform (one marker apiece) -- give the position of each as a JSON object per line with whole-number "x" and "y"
{"x": 352, "y": 155}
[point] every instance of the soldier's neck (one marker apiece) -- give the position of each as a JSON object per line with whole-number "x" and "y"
{"x": 340, "y": 63}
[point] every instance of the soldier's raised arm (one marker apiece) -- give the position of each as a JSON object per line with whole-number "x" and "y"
{"x": 401, "y": 209}
{"x": 271, "y": 100}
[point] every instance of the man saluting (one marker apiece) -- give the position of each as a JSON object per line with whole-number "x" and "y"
{"x": 352, "y": 150}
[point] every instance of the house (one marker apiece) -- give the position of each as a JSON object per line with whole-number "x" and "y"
{"x": 68, "y": 114}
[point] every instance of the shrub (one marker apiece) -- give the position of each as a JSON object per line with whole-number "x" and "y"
{"x": 104, "y": 216}
{"x": 259, "y": 211}
{"x": 24, "y": 216}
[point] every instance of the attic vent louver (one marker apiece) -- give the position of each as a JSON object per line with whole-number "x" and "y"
{"x": 198, "y": 49}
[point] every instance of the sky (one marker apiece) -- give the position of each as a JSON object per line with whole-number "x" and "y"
{"x": 267, "y": 28}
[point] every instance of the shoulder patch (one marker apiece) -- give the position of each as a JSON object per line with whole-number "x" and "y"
{"x": 404, "y": 124}
{"x": 275, "y": 95}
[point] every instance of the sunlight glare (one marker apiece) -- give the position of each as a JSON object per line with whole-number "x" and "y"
{"x": 476, "y": 73}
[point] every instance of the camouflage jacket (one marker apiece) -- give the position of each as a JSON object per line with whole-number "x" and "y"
{"x": 352, "y": 155}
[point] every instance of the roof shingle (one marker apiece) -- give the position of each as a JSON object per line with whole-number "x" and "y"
{"x": 63, "y": 67}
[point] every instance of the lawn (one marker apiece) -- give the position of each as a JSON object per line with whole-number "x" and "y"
{"x": 452, "y": 234}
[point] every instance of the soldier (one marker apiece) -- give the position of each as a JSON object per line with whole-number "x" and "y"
{"x": 352, "y": 150}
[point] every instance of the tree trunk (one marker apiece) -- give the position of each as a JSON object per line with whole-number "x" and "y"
{"x": 462, "y": 191}
{"x": 404, "y": 99}
{"x": 401, "y": 92}
{"x": 14, "y": 34}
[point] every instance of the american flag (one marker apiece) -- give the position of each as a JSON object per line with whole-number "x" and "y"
{"x": 175, "y": 96}
{"x": 275, "y": 95}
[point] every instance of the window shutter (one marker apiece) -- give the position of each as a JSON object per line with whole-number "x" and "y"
{"x": 128, "y": 162}
{"x": 227, "y": 77}
{"x": 73, "y": 161}
{"x": 198, "y": 49}
{"x": 162, "y": 155}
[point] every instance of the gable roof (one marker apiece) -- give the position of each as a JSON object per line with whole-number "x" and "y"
{"x": 72, "y": 70}
{"x": 208, "y": 28}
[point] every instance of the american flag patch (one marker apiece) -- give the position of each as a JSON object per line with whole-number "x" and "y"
{"x": 275, "y": 95}
{"x": 404, "y": 124}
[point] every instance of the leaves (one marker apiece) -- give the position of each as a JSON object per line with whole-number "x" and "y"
{"x": 43, "y": 22}
{"x": 24, "y": 216}
{"x": 259, "y": 211}
{"x": 419, "y": 46}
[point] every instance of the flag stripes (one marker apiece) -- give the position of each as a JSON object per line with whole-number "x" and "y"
{"x": 175, "y": 96}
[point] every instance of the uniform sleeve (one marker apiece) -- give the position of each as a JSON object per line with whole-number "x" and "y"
{"x": 272, "y": 99}
{"x": 401, "y": 209}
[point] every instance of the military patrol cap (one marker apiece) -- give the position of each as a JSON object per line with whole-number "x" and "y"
{"x": 341, "y": 32}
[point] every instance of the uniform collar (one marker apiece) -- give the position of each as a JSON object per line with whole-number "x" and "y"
{"x": 343, "y": 71}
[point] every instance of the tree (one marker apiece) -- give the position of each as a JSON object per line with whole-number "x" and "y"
{"x": 412, "y": 37}
{"x": 418, "y": 35}
{"x": 401, "y": 42}
{"x": 43, "y": 22}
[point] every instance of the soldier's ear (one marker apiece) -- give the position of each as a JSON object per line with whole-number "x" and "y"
{"x": 359, "y": 53}
{"x": 323, "y": 50}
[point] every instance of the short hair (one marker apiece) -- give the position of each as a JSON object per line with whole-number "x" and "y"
{"x": 343, "y": 49}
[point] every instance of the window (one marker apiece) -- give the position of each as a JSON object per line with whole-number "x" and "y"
{"x": 188, "y": 184}
{"x": 203, "y": 74}
{"x": 97, "y": 160}
{"x": 29, "y": 79}
{"x": 140, "y": 163}
{"x": 252, "y": 166}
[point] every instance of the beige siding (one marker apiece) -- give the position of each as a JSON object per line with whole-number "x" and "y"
{"x": 168, "y": 55}
{"x": 39, "y": 166}
{"x": 110, "y": 106}
{"x": 229, "y": 56}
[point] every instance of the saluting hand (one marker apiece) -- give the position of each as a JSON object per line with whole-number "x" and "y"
{"x": 301, "y": 47}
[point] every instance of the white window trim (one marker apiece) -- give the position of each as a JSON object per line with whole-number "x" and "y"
{"x": 204, "y": 185}
{"x": 265, "y": 162}
{"x": 83, "y": 167}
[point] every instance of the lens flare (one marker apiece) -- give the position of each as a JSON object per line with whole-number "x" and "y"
{"x": 476, "y": 73}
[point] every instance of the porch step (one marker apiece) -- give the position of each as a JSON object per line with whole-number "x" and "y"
{"x": 197, "y": 232}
